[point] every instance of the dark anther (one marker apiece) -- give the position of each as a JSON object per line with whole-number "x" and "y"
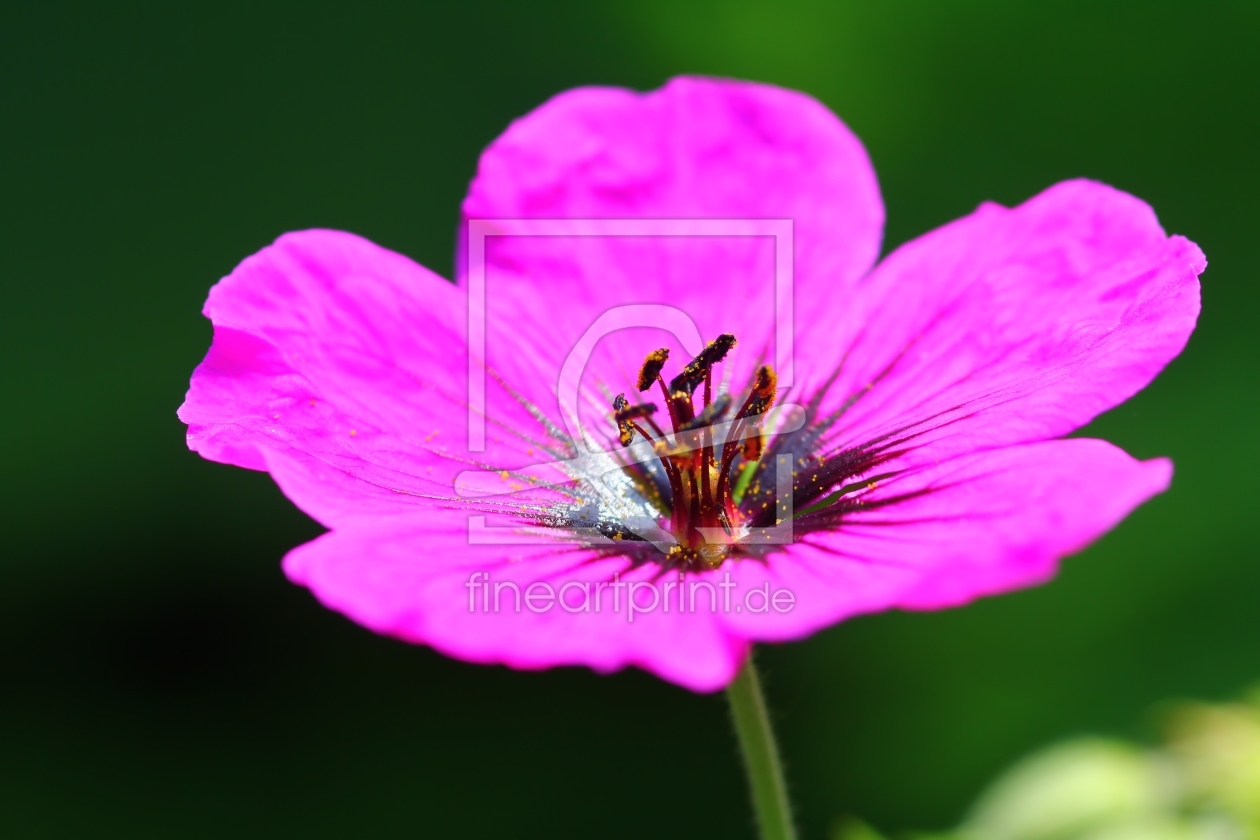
{"x": 765, "y": 385}
{"x": 696, "y": 370}
{"x": 652, "y": 367}
{"x": 752, "y": 447}
{"x": 624, "y": 413}
{"x": 633, "y": 412}
{"x": 710, "y": 415}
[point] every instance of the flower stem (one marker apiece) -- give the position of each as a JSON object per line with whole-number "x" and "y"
{"x": 761, "y": 755}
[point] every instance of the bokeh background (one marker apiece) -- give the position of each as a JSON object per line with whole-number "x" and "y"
{"x": 161, "y": 679}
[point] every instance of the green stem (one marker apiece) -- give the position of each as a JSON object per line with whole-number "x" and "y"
{"x": 761, "y": 755}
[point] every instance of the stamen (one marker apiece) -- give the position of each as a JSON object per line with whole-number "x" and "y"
{"x": 753, "y": 445}
{"x": 760, "y": 397}
{"x": 624, "y": 413}
{"x": 699, "y": 478}
{"x": 712, "y": 414}
{"x": 712, "y": 497}
{"x": 765, "y": 386}
{"x": 696, "y": 370}
{"x": 651, "y": 372}
{"x": 652, "y": 367}
{"x": 681, "y": 411}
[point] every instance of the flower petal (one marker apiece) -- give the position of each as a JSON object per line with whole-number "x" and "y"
{"x": 979, "y": 524}
{"x": 1009, "y": 325}
{"x": 697, "y": 149}
{"x": 412, "y": 577}
{"x": 341, "y": 367}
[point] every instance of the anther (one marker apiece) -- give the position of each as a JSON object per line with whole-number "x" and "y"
{"x": 698, "y": 480}
{"x": 710, "y": 415}
{"x": 765, "y": 386}
{"x": 624, "y": 413}
{"x": 652, "y": 367}
{"x": 696, "y": 370}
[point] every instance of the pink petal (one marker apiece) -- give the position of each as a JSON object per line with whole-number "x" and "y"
{"x": 408, "y": 577}
{"x": 341, "y": 367}
{"x": 991, "y": 522}
{"x": 1009, "y": 325}
{"x": 695, "y": 149}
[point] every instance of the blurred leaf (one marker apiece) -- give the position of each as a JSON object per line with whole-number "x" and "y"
{"x": 1167, "y": 828}
{"x": 1217, "y": 748}
{"x": 1069, "y": 790}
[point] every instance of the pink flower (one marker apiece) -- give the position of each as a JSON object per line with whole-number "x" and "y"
{"x": 937, "y": 387}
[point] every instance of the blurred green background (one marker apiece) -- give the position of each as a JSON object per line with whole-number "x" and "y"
{"x": 161, "y": 679}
